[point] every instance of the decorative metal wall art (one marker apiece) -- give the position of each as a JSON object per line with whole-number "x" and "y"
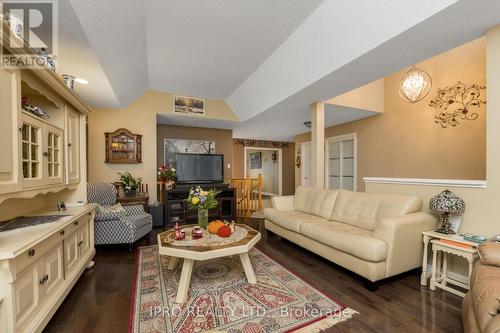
{"x": 261, "y": 143}
{"x": 454, "y": 103}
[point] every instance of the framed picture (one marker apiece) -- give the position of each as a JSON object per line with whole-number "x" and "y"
{"x": 455, "y": 222}
{"x": 256, "y": 160}
{"x": 173, "y": 146}
{"x": 189, "y": 105}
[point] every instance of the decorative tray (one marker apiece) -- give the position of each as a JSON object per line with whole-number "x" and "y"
{"x": 208, "y": 238}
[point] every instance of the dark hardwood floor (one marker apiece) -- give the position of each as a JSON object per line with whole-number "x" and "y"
{"x": 100, "y": 301}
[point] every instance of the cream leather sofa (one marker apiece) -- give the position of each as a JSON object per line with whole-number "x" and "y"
{"x": 373, "y": 235}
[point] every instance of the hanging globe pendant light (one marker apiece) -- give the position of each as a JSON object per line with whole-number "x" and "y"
{"x": 415, "y": 85}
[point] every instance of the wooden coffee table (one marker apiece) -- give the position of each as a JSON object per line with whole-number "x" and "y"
{"x": 206, "y": 252}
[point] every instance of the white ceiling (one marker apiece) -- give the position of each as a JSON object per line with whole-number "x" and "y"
{"x": 268, "y": 59}
{"x": 179, "y": 120}
{"x": 208, "y": 48}
{"x": 281, "y": 126}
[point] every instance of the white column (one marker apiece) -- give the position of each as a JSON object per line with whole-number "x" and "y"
{"x": 318, "y": 145}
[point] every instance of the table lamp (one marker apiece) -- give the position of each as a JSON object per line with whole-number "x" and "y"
{"x": 447, "y": 203}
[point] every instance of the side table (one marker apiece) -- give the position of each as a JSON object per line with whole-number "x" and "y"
{"x": 439, "y": 276}
{"x": 427, "y": 236}
{"x": 139, "y": 199}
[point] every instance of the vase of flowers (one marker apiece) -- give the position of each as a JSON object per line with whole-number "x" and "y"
{"x": 202, "y": 200}
{"x": 166, "y": 173}
{"x": 130, "y": 183}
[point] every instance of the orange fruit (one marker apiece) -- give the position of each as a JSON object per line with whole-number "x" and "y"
{"x": 213, "y": 227}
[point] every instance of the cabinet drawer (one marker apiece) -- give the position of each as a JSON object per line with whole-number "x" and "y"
{"x": 34, "y": 253}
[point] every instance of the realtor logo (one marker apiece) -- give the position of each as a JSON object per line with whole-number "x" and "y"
{"x": 29, "y": 34}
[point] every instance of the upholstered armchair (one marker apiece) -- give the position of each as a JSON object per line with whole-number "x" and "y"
{"x": 123, "y": 227}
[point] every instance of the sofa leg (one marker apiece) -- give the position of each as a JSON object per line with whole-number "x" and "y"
{"x": 371, "y": 286}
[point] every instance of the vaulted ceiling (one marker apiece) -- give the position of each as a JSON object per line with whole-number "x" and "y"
{"x": 265, "y": 58}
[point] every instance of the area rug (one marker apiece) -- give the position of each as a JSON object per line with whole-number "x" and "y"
{"x": 220, "y": 298}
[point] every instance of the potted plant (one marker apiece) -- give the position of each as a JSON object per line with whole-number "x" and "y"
{"x": 202, "y": 201}
{"x": 166, "y": 173}
{"x": 130, "y": 183}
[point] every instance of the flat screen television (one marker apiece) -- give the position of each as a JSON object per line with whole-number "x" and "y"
{"x": 199, "y": 168}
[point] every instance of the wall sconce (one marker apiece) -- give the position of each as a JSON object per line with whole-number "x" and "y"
{"x": 297, "y": 161}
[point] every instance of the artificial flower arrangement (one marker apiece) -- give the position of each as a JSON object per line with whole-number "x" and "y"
{"x": 130, "y": 183}
{"x": 202, "y": 200}
{"x": 166, "y": 173}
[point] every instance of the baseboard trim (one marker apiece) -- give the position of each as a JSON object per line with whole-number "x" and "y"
{"x": 427, "y": 182}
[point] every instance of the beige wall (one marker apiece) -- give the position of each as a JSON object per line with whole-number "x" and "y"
{"x": 368, "y": 97}
{"x": 139, "y": 117}
{"x": 405, "y": 141}
{"x": 223, "y": 141}
{"x": 288, "y": 166}
{"x": 481, "y": 215}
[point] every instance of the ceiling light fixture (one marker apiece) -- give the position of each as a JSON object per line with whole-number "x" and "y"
{"x": 415, "y": 85}
{"x": 81, "y": 81}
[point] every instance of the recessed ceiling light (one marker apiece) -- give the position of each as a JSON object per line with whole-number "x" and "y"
{"x": 81, "y": 81}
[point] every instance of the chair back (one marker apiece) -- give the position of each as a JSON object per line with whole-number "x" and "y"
{"x": 103, "y": 194}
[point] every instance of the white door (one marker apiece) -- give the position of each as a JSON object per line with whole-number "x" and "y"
{"x": 340, "y": 162}
{"x": 305, "y": 164}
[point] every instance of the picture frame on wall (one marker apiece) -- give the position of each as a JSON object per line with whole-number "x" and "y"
{"x": 256, "y": 160}
{"x": 189, "y": 105}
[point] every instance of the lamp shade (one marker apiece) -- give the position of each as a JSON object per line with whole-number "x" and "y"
{"x": 447, "y": 202}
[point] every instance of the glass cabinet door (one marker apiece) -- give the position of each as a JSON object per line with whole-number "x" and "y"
{"x": 31, "y": 152}
{"x": 41, "y": 153}
{"x": 53, "y": 155}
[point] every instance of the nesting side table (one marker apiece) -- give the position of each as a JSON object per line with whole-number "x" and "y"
{"x": 439, "y": 277}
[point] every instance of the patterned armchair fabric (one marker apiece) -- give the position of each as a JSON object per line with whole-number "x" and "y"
{"x": 117, "y": 228}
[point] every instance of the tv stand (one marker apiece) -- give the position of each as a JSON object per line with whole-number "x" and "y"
{"x": 177, "y": 211}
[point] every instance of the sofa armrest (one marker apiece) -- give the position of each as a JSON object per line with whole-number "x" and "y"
{"x": 403, "y": 235}
{"x": 283, "y": 202}
{"x": 111, "y": 216}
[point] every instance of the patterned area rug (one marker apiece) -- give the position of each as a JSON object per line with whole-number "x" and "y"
{"x": 220, "y": 299}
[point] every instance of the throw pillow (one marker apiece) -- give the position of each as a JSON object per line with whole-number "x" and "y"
{"x": 118, "y": 208}
{"x": 489, "y": 253}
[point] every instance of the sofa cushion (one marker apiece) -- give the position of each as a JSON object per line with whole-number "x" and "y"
{"x": 489, "y": 253}
{"x": 315, "y": 201}
{"x": 364, "y": 210}
{"x": 485, "y": 295}
{"x": 291, "y": 220}
{"x": 346, "y": 238}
